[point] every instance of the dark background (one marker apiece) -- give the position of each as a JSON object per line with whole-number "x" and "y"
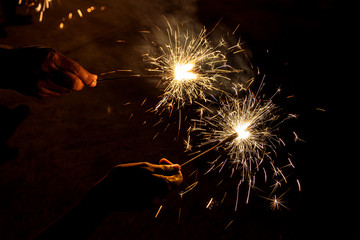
{"x": 67, "y": 144}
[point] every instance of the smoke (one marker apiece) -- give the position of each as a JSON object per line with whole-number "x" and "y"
{"x": 146, "y": 24}
{"x": 148, "y": 13}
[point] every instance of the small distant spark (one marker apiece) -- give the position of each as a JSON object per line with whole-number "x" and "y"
{"x": 80, "y": 13}
{"x": 276, "y": 203}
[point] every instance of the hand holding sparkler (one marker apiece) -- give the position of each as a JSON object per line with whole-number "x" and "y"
{"x": 128, "y": 187}
{"x": 42, "y": 72}
{"x": 137, "y": 186}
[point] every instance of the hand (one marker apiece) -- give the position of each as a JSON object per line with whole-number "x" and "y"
{"x": 44, "y": 72}
{"x": 128, "y": 187}
{"x": 137, "y": 186}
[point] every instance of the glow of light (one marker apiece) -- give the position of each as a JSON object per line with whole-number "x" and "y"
{"x": 182, "y": 72}
{"x": 80, "y": 13}
{"x": 242, "y": 131}
{"x": 276, "y": 203}
{"x": 38, "y": 8}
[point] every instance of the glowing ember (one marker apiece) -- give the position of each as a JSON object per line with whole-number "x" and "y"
{"x": 242, "y": 131}
{"x": 182, "y": 72}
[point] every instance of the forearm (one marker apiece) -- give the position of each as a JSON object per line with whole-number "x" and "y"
{"x": 80, "y": 222}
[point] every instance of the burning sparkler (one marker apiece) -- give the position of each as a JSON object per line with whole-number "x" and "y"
{"x": 244, "y": 129}
{"x": 189, "y": 66}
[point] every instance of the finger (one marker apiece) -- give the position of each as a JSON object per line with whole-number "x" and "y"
{"x": 49, "y": 84}
{"x": 71, "y": 81}
{"x": 46, "y": 93}
{"x": 167, "y": 170}
{"x": 73, "y": 67}
{"x": 175, "y": 180}
{"x": 65, "y": 79}
{"x": 164, "y": 161}
{"x": 171, "y": 182}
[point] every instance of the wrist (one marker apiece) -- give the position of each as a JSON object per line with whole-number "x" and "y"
{"x": 20, "y": 67}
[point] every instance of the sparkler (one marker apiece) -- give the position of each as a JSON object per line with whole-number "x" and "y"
{"x": 189, "y": 66}
{"x": 245, "y": 130}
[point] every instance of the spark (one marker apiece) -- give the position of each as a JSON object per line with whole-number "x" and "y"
{"x": 298, "y": 182}
{"x": 296, "y": 138}
{"x": 277, "y": 202}
{"x": 320, "y": 109}
{"x": 229, "y": 224}
{"x": 158, "y": 211}
{"x": 210, "y": 203}
{"x": 189, "y": 188}
{"x": 39, "y": 6}
{"x": 80, "y": 13}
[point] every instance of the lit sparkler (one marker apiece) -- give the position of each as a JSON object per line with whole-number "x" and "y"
{"x": 244, "y": 129}
{"x": 189, "y": 66}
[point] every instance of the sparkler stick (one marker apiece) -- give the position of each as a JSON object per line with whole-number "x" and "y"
{"x": 131, "y": 76}
{"x": 228, "y": 139}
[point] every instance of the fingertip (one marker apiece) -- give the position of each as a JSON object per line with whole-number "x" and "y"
{"x": 176, "y": 167}
{"x": 93, "y": 84}
{"x": 94, "y": 78}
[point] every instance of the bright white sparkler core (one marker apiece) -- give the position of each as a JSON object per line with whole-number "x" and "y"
{"x": 242, "y": 131}
{"x": 182, "y": 72}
